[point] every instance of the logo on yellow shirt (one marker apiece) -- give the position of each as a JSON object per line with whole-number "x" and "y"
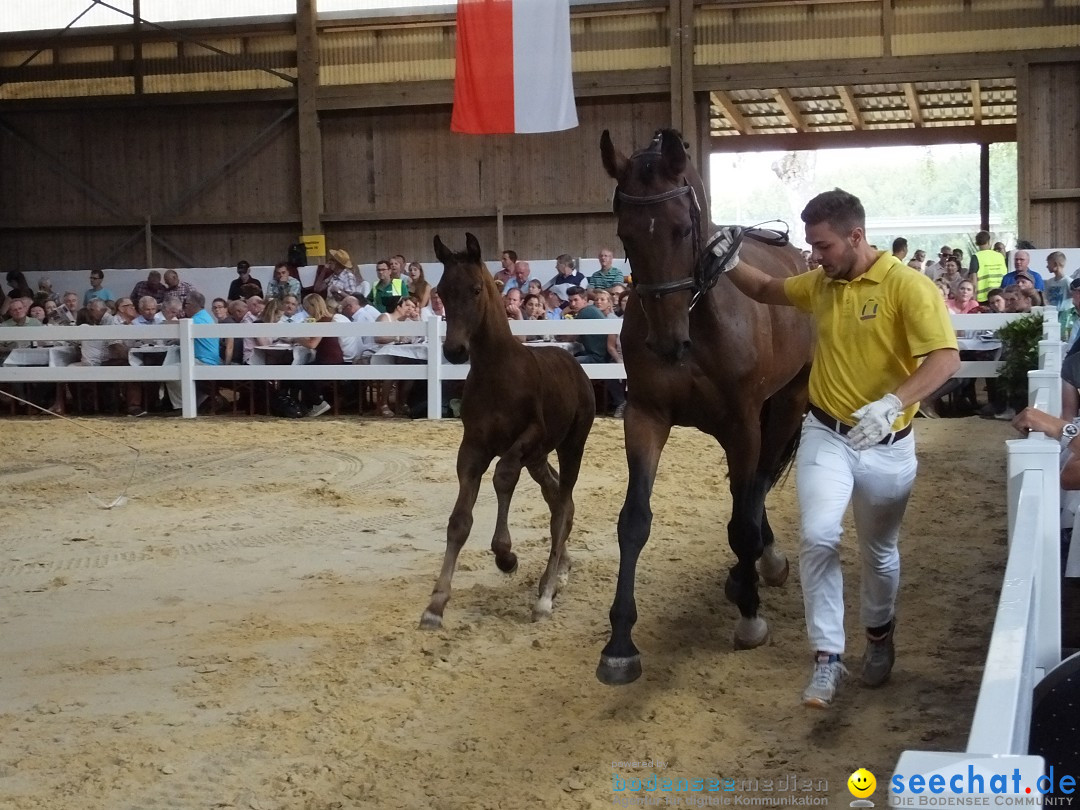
{"x": 869, "y": 310}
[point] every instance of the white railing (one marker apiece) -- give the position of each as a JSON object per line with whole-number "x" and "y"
{"x": 187, "y": 372}
{"x": 434, "y": 371}
{"x": 1026, "y": 639}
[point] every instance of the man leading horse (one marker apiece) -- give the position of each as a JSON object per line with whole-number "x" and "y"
{"x": 884, "y": 343}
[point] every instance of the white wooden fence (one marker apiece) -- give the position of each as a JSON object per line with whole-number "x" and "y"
{"x": 434, "y": 371}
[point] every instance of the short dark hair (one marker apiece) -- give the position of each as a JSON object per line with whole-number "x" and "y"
{"x": 512, "y": 254}
{"x": 841, "y": 210}
{"x": 898, "y": 244}
{"x": 575, "y": 290}
{"x": 982, "y": 238}
{"x": 243, "y": 265}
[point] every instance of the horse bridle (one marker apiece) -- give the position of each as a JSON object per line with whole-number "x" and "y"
{"x": 710, "y": 260}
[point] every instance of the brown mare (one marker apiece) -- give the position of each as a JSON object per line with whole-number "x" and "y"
{"x": 700, "y": 353}
{"x": 519, "y": 403}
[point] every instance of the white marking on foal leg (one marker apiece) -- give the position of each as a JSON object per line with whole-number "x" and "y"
{"x": 652, "y": 225}
{"x": 430, "y": 621}
{"x": 773, "y": 566}
{"x": 542, "y": 608}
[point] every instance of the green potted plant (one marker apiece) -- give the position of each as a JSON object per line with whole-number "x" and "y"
{"x": 1019, "y": 355}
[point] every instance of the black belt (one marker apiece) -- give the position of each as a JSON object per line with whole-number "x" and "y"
{"x": 834, "y": 424}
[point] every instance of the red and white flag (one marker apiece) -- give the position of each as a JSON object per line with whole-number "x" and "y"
{"x": 513, "y": 67}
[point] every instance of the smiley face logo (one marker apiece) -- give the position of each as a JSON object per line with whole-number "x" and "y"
{"x": 861, "y": 783}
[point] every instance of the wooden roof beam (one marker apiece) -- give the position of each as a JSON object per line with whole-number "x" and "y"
{"x": 791, "y": 110}
{"x": 913, "y": 103}
{"x": 976, "y": 101}
{"x": 847, "y": 98}
{"x": 731, "y": 112}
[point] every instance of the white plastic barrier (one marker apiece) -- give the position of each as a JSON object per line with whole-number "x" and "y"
{"x": 1026, "y": 640}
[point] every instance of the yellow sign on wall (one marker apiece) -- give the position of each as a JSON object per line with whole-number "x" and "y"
{"x": 315, "y": 244}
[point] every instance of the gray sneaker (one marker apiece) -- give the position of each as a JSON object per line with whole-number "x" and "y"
{"x": 828, "y": 672}
{"x": 879, "y": 658}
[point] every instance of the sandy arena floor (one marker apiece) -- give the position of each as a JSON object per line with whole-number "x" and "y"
{"x": 243, "y": 632}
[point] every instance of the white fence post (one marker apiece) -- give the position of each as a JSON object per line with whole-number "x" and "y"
{"x": 187, "y": 370}
{"x": 1040, "y": 454}
{"x": 434, "y": 368}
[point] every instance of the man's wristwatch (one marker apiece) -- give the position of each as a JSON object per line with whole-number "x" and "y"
{"x": 1069, "y": 432}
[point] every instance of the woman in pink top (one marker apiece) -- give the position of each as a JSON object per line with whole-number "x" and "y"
{"x": 963, "y": 302}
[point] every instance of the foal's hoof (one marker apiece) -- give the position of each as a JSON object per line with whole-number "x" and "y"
{"x": 430, "y": 621}
{"x": 618, "y": 671}
{"x": 774, "y": 570}
{"x": 507, "y": 564}
{"x": 751, "y": 633}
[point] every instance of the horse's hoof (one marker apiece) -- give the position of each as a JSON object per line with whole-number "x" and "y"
{"x": 618, "y": 671}
{"x": 507, "y": 564}
{"x": 540, "y": 614}
{"x": 731, "y": 590}
{"x": 774, "y": 570}
{"x": 751, "y": 633}
{"x": 430, "y": 621}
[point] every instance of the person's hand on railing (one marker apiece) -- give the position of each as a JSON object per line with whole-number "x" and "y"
{"x": 1032, "y": 420}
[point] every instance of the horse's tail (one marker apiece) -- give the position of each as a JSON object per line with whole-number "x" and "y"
{"x": 787, "y": 456}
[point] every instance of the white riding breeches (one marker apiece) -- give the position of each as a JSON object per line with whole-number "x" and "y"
{"x": 878, "y": 482}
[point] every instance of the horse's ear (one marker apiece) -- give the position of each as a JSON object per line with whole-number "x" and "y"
{"x": 671, "y": 147}
{"x": 472, "y": 247}
{"x": 614, "y": 160}
{"x": 442, "y": 253}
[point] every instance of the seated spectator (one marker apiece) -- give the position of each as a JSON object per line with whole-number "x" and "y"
{"x": 418, "y": 284}
{"x": 219, "y": 309}
{"x": 535, "y": 287}
{"x": 45, "y": 292}
{"x": 244, "y": 279}
{"x": 37, "y": 312}
{"x": 1021, "y": 265}
{"x": 283, "y": 283}
{"x": 50, "y": 311}
{"x": 206, "y": 350}
{"x": 175, "y": 288}
{"x": 607, "y": 274}
{"x": 512, "y": 302}
{"x": 271, "y": 313}
{"x": 519, "y": 280}
{"x": 96, "y": 290}
{"x": 395, "y": 313}
{"x": 95, "y": 352}
{"x": 506, "y": 272}
{"x": 172, "y": 310}
{"x": 1017, "y": 299}
{"x": 18, "y": 315}
{"x": 1033, "y": 420}
{"x": 952, "y": 275}
{"x": 995, "y": 301}
{"x": 327, "y": 352}
{"x": 148, "y": 312}
{"x": 386, "y": 287}
{"x": 963, "y": 303}
{"x": 554, "y": 305}
{"x": 152, "y": 286}
{"x": 1025, "y": 283}
{"x": 255, "y": 306}
{"x": 291, "y": 311}
{"x": 358, "y": 348}
{"x": 232, "y": 348}
{"x": 338, "y": 277}
{"x": 566, "y": 276}
{"x": 595, "y": 348}
{"x": 533, "y": 309}
{"x": 435, "y": 308}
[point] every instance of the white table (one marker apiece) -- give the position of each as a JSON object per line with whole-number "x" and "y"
{"x": 572, "y": 347}
{"x": 154, "y": 356}
{"x": 400, "y": 353}
{"x": 42, "y": 356}
{"x": 281, "y": 354}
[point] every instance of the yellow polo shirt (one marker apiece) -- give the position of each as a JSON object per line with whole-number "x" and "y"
{"x": 871, "y": 333}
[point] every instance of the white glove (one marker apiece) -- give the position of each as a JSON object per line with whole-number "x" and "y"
{"x": 875, "y": 422}
{"x": 721, "y": 243}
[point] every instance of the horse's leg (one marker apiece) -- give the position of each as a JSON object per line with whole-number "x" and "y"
{"x": 471, "y": 464}
{"x": 781, "y": 427}
{"x": 544, "y": 475}
{"x": 748, "y": 488}
{"x": 645, "y": 436}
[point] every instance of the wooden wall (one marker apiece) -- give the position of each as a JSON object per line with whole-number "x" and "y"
{"x": 1048, "y": 153}
{"x": 220, "y": 183}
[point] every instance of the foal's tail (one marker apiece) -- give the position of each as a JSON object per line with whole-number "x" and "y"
{"x": 776, "y": 416}
{"x": 787, "y": 459}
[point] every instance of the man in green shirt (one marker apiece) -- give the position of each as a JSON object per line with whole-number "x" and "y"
{"x": 606, "y": 275}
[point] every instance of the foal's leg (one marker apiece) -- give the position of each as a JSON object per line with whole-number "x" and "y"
{"x": 645, "y": 436}
{"x": 507, "y": 473}
{"x": 545, "y": 475}
{"x": 471, "y": 464}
